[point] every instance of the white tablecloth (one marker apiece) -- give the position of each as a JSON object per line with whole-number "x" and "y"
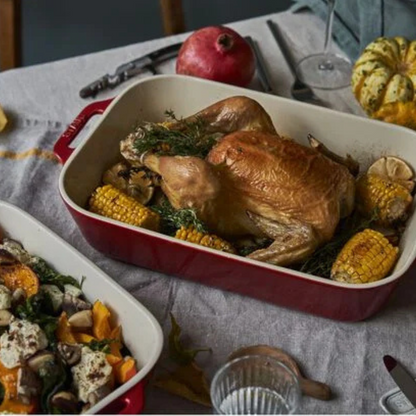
{"x": 42, "y": 100}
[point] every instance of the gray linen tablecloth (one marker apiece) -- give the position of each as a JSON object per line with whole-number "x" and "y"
{"x": 42, "y": 100}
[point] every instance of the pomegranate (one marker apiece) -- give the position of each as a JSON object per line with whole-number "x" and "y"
{"x": 217, "y": 53}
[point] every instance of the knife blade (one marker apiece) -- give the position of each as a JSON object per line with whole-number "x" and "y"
{"x": 130, "y": 69}
{"x": 261, "y": 66}
{"x": 402, "y": 378}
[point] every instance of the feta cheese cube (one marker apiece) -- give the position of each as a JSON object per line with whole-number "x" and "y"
{"x": 21, "y": 341}
{"x": 91, "y": 373}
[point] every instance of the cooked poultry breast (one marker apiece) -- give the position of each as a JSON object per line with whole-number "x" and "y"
{"x": 257, "y": 183}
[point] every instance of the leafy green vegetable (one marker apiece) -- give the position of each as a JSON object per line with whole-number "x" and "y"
{"x": 190, "y": 140}
{"x": 47, "y": 275}
{"x": 177, "y": 352}
{"x": 54, "y": 378}
{"x": 173, "y": 219}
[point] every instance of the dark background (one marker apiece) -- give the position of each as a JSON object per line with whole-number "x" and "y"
{"x": 56, "y": 29}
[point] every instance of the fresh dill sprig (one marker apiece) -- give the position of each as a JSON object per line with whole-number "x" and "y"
{"x": 191, "y": 139}
{"x": 173, "y": 219}
{"x": 320, "y": 263}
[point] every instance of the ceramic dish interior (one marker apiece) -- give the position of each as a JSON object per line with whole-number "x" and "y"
{"x": 364, "y": 139}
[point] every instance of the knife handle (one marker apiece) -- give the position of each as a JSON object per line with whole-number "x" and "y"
{"x": 61, "y": 148}
{"x": 315, "y": 389}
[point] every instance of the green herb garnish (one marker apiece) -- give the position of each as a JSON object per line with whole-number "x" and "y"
{"x": 101, "y": 345}
{"x": 190, "y": 140}
{"x": 47, "y": 275}
{"x": 173, "y": 219}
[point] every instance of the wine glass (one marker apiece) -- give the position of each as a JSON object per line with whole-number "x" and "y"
{"x": 325, "y": 70}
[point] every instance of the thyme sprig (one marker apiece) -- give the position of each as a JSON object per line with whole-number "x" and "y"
{"x": 190, "y": 140}
{"x": 173, "y": 219}
{"x": 320, "y": 263}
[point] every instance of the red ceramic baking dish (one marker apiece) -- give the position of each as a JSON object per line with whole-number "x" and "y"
{"x": 148, "y": 99}
{"x": 141, "y": 332}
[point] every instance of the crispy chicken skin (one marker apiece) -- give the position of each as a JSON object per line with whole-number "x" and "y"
{"x": 254, "y": 182}
{"x": 259, "y": 184}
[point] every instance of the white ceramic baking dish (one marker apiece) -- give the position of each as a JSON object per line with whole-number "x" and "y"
{"x": 142, "y": 333}
{"x": 148, "y": 99}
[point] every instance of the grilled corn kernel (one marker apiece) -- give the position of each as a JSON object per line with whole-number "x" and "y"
{"x": 391, "y": 200}
{"x": 367, "y": 257}
{"x": 113, "y": 203}
{"x": 208, "y": 240}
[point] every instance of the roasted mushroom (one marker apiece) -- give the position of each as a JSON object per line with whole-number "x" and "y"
{"x": 70, "y": 353}
{"x": 72, "y": 304}
{"x": 40, "y": 359}
{"x": 6, "y": 258}
{"x": 16, "y": 250}
{"x": 81, "y": 320}
{"x": 135, "y": 182}
{"x": 65, "y": 402}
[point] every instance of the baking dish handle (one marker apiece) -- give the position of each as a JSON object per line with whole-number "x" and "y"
{"x": 130, "y": 403}
{"x": 61, "y": 148}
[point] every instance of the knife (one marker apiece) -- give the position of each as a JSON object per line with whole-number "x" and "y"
{"x": 402, "y": 378}
{"x": 130, "y": 69}
{"x": 261, "y": 66}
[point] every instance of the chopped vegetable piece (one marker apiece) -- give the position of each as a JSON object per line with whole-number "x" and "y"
{"x": 10, "y": 403}
{"x": 125, "y": 370}
{"x": 207, "y": 240}
{"x": 63, "y": 332}
{"x": 101, "y": 321}
{"x": 367, "y": 257}
{"x": 17, "y": 276}
{"x": 116, "y": 344}
{"x": 113, "y": 203}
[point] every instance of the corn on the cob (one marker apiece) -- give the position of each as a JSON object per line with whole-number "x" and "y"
{"x": 208, "y": 240}
{"x": 113, "y": 203}
{"x": 391, "y": 200}
{"x": 367, "y": 257}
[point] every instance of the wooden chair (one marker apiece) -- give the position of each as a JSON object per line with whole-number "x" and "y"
{"x": 172, "y": 16}
{"x": 11, "y": 31}
{"x": 10, "y": 34}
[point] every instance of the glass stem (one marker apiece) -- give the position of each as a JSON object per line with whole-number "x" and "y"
{"x": 326, "y": 64}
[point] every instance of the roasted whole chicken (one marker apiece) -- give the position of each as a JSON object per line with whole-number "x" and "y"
{"x": 255, "y": 183}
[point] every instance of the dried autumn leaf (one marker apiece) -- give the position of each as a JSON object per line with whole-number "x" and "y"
{"x": 177, "y": 352}
{"x": 3, "y": 120}
{"x": 187, "y": 381}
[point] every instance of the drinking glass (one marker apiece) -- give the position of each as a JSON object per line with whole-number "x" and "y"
{"x": 325, "y": 70}
{"x": 255, "y": 384}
